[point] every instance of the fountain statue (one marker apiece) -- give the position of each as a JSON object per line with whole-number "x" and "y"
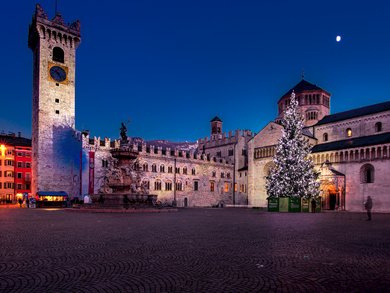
{"x": 121, "y": 184}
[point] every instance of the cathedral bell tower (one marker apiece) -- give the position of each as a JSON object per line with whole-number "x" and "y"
{"x": 55, "y": 143}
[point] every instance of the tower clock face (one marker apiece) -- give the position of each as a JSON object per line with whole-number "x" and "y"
{"x": 58, "y": 73}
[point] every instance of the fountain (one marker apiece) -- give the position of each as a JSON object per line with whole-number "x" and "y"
{"x": 121, "y": 183}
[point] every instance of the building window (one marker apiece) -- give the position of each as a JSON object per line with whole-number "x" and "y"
{"x": 378, "y": 127}
{"x": 145, "y": 167}
{"x": 146, "y": 184}
{"x": 154, "y": 168}
{"x": 104, "y": 163}
{"x": 185, "y": 170}
{"x": 179, "y": 186}
{"x": 170, "y": 169}
{"x": 226, "y": 186}
{"x": 28, "y": 165}
{"x": 193, "y": 171}
{"x": 19, "y": 164}
{"x": 222, "y": 175}
{"x": 212, "y": 186}
{"x": 28, "y": 186}
{"x": 57, "y": 111}
{"x": 19, "y": 186}
{"x": 214, "y": 174}
{"x": 178, "y": 170}
{"x": 219, "y": 154}
{"x": 325, "y": 137}
{"x": 58, "y": 55}
{"x": 228, "y": 175}
{"x": 157, "y": 185}
{"x": 19, "y": 176}
{"x": 8, "y": 162}
{"x": 367, "y": 173}
{"x": 168, "y": 186}
{"x": 196, "y": 185}
{"x": 57, "y": 100}
{"x": 9, "y": 174}
{"x": 349, "y": 132}
{"x": 162, "y": 168}
{"x": 230, "y": 152}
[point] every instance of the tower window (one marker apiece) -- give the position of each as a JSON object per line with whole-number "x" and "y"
{"x": 58, "y": 54}
{"x": 349, "y": 132}
{"x": 57, "y": 100}
{"x": 378, "y": 127}
{"x": 57, "y": 111}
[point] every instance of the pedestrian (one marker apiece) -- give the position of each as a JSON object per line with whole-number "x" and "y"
{"x": 313, "y": 205}
{"x": 20, "y": 201}
{"x": 368, "y": 207}
{"x": 27, "y": 203}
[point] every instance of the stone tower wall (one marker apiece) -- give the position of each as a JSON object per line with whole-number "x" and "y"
{"x": 56, "y": 145}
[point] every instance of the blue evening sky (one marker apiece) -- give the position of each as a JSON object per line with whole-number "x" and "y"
{"x": 171, "y": 66}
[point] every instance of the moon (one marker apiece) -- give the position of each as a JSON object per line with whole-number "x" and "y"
{"x": 338, "y": 38}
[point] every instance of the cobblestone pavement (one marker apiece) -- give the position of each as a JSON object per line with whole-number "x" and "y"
{"x": 193, "y": 250}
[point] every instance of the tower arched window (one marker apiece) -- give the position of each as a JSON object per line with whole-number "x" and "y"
{"x": 325, "y": 137}
{"x": 378, "y": 127}
{"x": 58, "y": 54}
{"x": 162, "y": 168}
{"x": 349, "y": 132}
{"x": 367, "y": 173}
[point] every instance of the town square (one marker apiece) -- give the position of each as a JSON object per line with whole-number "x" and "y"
{"x": 209, "y": 146}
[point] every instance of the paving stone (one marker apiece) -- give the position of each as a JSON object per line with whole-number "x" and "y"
{"x": 193, "y": 250}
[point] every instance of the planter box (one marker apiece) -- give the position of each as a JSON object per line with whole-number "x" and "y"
{"x": 305, "y": 205}
{"x": 294, "y": 204}
{"x": 284, "y": 204}
{"x": 273, "y": 204}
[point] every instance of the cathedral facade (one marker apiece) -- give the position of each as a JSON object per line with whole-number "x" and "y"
{"x": 350, "y": 151}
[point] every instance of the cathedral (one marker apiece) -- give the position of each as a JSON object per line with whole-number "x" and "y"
{"x": 350, "y": 149}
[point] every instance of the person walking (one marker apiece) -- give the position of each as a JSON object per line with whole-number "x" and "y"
{"x": 368, "y": 207}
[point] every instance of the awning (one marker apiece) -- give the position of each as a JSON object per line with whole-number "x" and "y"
{"x": 52, "y": 193}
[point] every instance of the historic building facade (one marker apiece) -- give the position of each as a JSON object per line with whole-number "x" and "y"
{"x": 350, "y": 150}
{"x": 186, "y": 177}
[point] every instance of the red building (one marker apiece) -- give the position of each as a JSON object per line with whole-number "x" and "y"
{"x": 15, "y": 167}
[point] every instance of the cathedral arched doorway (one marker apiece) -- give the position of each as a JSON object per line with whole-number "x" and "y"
{"x": 332, "y": 188}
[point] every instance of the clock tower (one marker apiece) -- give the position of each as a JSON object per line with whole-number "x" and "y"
{"x": 55, "y": 143}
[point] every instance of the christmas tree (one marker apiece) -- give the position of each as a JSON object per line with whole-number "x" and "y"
{"x": 293, "y": 174}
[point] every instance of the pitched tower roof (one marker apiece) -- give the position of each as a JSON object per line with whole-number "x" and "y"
{"x": 216, "y": 118}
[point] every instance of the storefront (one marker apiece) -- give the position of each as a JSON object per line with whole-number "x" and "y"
{"x": 51, "y": 199}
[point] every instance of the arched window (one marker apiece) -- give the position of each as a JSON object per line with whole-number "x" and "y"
{"x": 154, "y": 168}
{"x": 162, "y": 168}
{"x": 157, "y": 185}
{"x": 378, "y": 127}
{"x": 325, "y": 137}
{"x": 145, "y": 167}
{"x": 58, "y": 54}
{"x": 367, "y": 173}
{"x": 193, "y": 171}
{"x": 349, "y": 132}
